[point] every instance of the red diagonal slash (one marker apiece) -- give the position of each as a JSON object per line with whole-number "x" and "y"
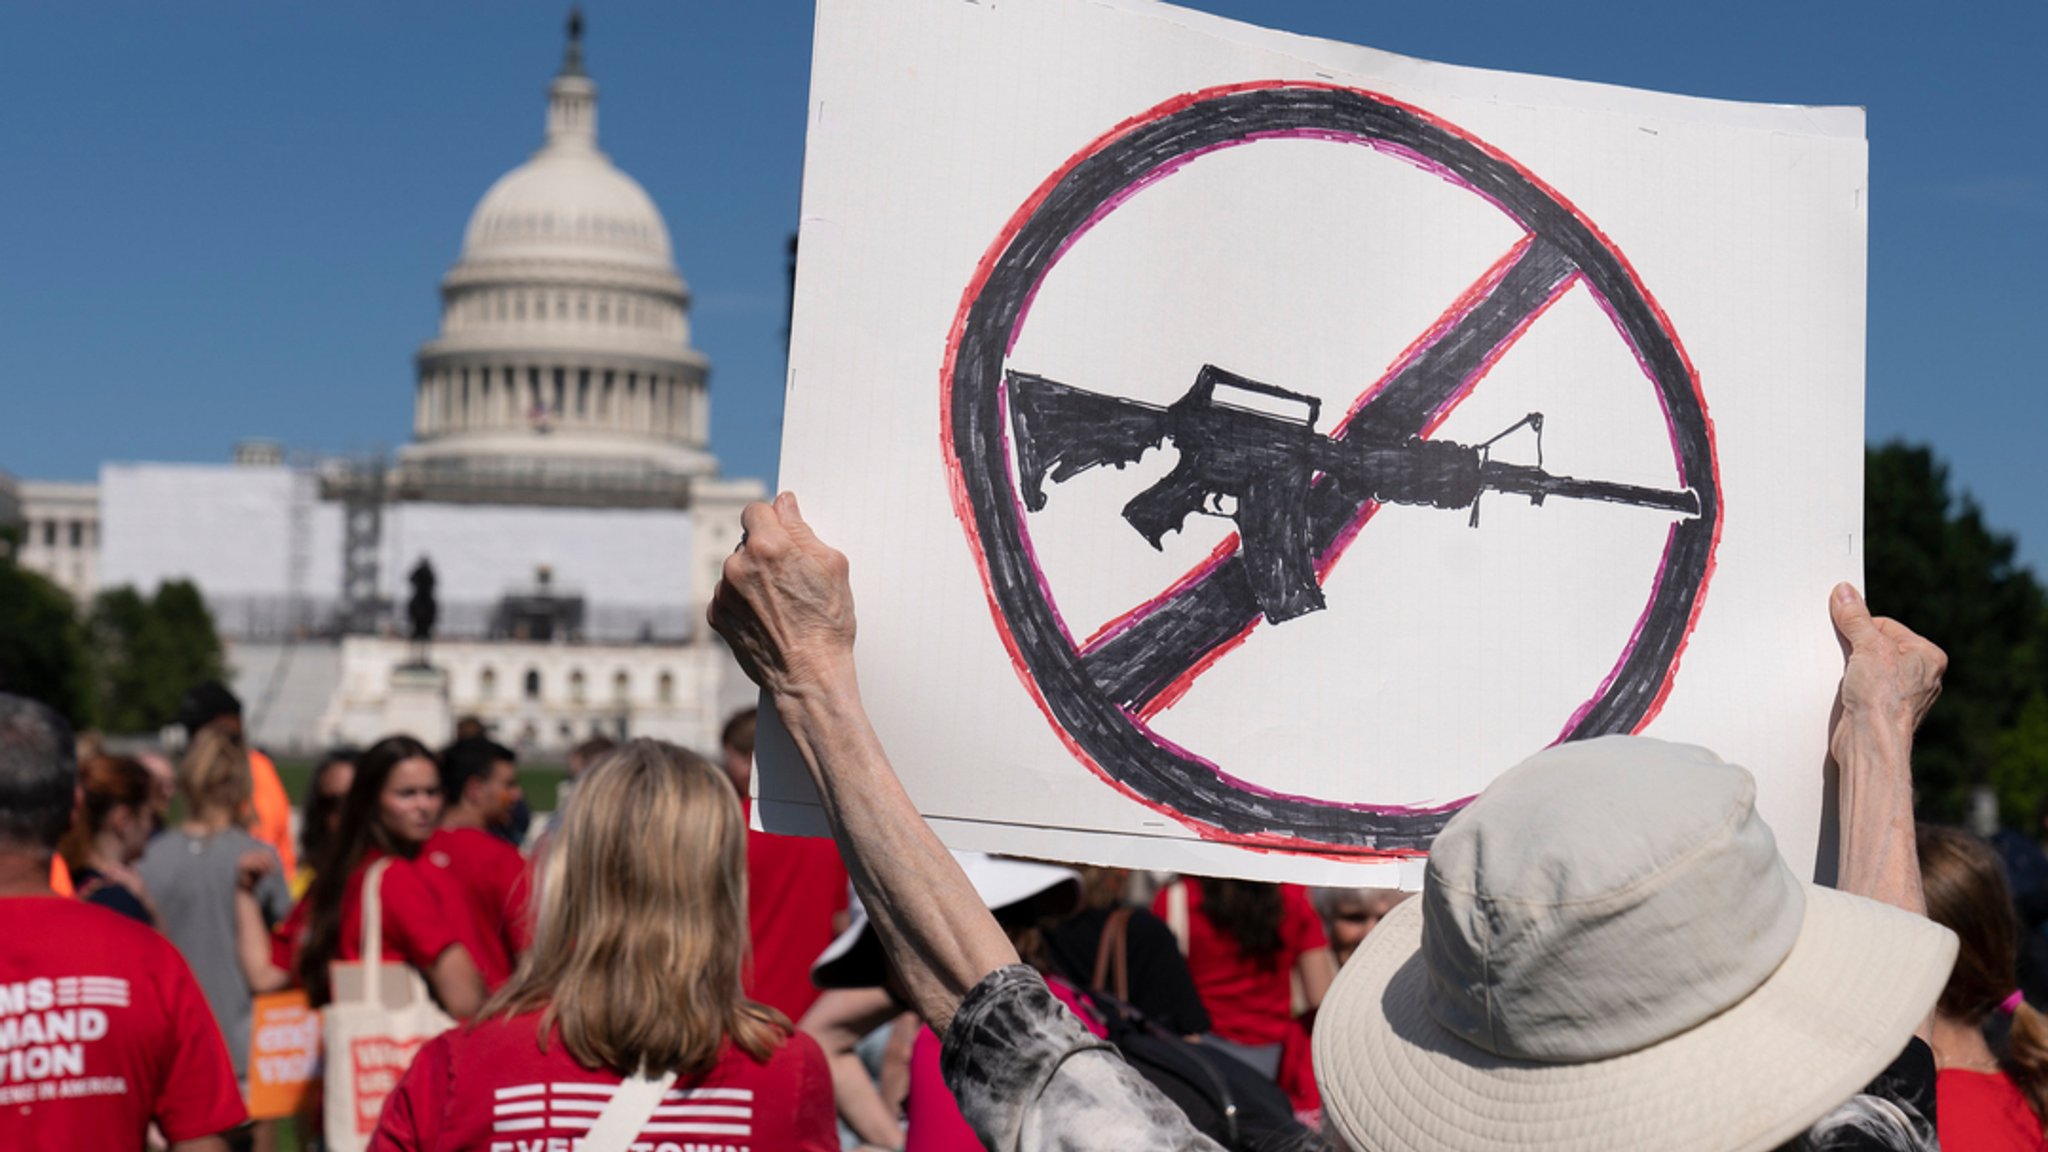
{"x": 1148, "y": 658}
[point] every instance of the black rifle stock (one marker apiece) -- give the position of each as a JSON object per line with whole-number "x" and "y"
{"x": 1063, "y": 431}
{"x": 1236, "y": 449}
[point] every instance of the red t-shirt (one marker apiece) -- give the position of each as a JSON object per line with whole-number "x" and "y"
{"x": 490, "y": 1088}
{"x": 1249, "y": 1002}
{"x": 417, "y": 928}
{"x": 482, "y": 878}
{"x": 102, "y": 1030}
{"x": 796, "y": 885}
{"x": 1984, "y": 1112}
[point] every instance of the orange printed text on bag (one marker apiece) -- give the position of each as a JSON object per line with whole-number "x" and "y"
{"x": 284, "y": 1053}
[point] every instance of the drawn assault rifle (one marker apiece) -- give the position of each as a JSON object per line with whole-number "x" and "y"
{"x": 1256, "y": 445}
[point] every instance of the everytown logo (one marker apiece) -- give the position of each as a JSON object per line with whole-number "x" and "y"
{"x": 554, "y": 1116}
{"x": 45, "y": 1027}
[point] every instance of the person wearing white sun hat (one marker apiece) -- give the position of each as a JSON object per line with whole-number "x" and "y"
{"x": 1608, "y": 952}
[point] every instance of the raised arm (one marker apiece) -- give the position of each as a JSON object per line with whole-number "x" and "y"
{"x": 1891, "y": 679}
{"x": 786, "y": 608}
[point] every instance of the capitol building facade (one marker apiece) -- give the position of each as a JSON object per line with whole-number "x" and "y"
{"x": 564, "y": 348}
{"x": 560, "y": 486}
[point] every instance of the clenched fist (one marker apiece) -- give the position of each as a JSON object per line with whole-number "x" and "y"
{"x": 1893, "y": 673}
{"x": 785, "y": 605}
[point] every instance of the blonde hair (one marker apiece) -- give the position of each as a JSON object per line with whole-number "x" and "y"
{"x": 640, "y": 921}
{"x": 214, "y": 776}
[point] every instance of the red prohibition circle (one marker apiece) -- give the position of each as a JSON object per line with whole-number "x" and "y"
{"x": 1099, "y": 704}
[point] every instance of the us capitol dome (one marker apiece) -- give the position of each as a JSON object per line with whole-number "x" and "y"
{"x": 563, "y": 370}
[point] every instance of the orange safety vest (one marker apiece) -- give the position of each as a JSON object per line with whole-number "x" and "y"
{"x": 273, "y": 811}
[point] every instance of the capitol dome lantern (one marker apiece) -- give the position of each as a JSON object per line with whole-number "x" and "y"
{"x": 564, "y": 360}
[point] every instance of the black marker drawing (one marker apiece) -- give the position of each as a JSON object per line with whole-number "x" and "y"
{"x": 1320, "y": 489}
{"x": 1239, "y": 448}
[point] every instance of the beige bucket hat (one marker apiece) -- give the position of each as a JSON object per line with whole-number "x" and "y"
{"x": 1609, "y": 953}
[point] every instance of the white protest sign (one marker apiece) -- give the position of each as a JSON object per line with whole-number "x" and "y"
{"x": 1248, "y": 446}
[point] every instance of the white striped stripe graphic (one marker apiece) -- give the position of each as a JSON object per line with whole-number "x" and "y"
{"x": 572, "y": 1109}
{"x": 520, "y": 1107}
{"x": 710, "y": 1094}
{"x": 593, "y": 1107}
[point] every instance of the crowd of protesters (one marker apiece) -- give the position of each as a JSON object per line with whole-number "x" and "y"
{"x": 1607, "y": 950}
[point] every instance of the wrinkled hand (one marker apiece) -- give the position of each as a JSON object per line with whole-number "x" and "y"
{"x": 785, "y": 605}
{"x": 1893, "y": 673}
{"x": 252, "y": 866}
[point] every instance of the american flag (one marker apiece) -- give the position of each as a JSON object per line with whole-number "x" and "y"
{"x": 567, "y": 1109}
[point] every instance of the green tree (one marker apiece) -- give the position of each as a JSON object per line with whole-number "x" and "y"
{"x": 124, "y": 657}
{"x": 2019, "y": 766}
{"x": 1931, "y": 561}
{"x": 192, "y": 646}
{"x": 42, "y": 646}
{"x": 149, "y": 651}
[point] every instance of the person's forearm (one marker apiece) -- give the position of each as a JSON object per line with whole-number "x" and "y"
{"x": 926, "y": 913}
{"x": 252, "y": 948}
{"x": 860, "y": 1104}
{"x": 1878, "y": 858}
{"x": 1890, "y": 680}
{"x": 1318, "y": 969}
{"x": 837, "y": 1020}
{"x": 456, "y": 983}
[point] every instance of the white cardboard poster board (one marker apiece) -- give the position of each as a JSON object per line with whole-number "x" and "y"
{"x": 1071, "y": 269}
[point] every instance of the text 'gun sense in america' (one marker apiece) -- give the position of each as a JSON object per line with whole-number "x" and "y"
{"x": 1250, "y": 452}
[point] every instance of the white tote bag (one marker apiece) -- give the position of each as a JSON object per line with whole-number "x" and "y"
{"x": 380, "y": 1016}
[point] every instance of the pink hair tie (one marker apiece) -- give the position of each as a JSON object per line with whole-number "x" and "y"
{"x": 2012, "y": 1003}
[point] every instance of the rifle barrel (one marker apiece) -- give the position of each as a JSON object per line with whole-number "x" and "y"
{"x": 1535, "y": 483}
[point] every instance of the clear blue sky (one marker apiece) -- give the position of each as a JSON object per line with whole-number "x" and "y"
{"x": 222, "y": 221}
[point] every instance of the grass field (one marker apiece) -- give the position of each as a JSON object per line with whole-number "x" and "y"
{"x": 538, "y": 781}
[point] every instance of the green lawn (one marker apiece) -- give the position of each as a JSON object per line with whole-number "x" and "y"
{"x": 538, "y": 780}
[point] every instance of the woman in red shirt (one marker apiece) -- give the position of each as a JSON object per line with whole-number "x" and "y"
{"x": 640, "y": 936}
{"x": 1258, "y": 955}
{"x": 1984, "y": 1102}
{"x": 393, "y": 806}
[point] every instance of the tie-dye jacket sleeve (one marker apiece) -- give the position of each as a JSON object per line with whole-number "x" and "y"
{"x": 1030, "y": 1078}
